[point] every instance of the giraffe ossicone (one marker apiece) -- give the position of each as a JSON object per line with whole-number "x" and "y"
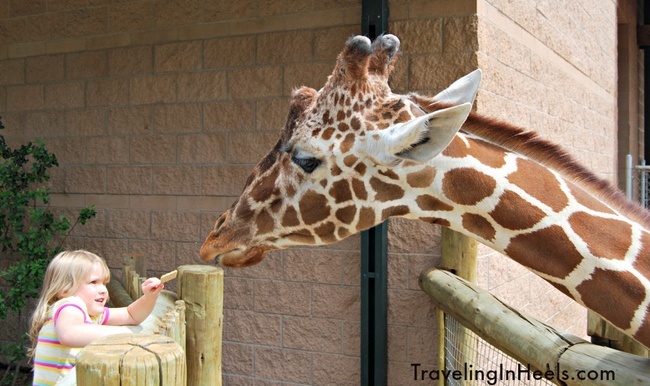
{"x": 354, "y": 154}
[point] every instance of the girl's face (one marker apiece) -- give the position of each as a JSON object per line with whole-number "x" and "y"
{"x": 93, "y": 291}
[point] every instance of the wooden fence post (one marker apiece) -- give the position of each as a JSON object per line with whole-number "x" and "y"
{"x": 459, "y": 254}
{"x": 201, "y": 287}
{"x": 605, "y": 334}
{"x": 132, "y": 360}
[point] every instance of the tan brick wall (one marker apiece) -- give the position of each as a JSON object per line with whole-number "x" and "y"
{"x": 158, "y": 110}
{"x": 549, "y": 67}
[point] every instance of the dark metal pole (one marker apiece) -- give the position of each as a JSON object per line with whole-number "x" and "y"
{"x": 374, "y": 253}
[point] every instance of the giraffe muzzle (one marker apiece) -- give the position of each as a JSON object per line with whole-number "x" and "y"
{"x": 238, "y": 258}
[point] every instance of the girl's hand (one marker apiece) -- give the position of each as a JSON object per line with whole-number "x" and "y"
{"x": 138, "y": 311}
{"x": 152, "y": 286}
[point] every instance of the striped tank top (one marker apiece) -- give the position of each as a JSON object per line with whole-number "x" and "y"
{"x": 52, "y": 360}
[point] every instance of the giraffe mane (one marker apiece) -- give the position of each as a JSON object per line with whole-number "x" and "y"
{"x": 549, "y": 154}
{"x": 531, "y": 145}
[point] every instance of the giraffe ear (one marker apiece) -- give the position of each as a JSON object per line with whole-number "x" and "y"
{"x": 424, "y": 137}
{"x": 461, "y": 91}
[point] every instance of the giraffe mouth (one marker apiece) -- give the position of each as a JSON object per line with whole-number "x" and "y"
{"x": 230, "y": 253}
{"x": 239, "y": 258}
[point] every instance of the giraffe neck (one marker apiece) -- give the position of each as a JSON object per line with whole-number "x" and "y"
{"x": 547, "y": 222}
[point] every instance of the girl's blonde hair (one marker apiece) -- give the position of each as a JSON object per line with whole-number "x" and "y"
{"x": 65, "y": 273}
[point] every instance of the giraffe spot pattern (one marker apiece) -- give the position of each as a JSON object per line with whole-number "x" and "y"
{"x": 623, "y": 296}
{"x": 513, "y": 212}
{"x": 430, "y": 203}
{"x": 604, "y": 237}
{"x": 264, "y": 222}
{"x": 242, "y": 208}
{"x": 359, "y": 189}
{"x": 384, "y": 191}
{"x": 397, "y": 105}
{"x": 372, "y": 118}
{"x": 302, "y": 239}
{"x": 264, "y": 189}
{"x": 395, "y": 211}
{"x": 343, "y": 233}
{"x": 360, "y": 168}
{"x": 326, "y": 232}
{"x": 313, "y": 207}
{"x": 355, "y": 123}
{"x": 546, "y": 187}
{"x": 588, "y": 201}
{"x": 366, "y": 218}
{"x": 327, "y": 134}
{"x": 487, "y": 154}
{"x": 643, "y": 265}
{"x": 346, "y": 214}
{"x": 290, "y": 218}
{"x": 340, "y": 191}
{"x": 327, "y": 120}
{"x": 404, "y": 116}
{"x": 456, "y": 186}
{"x": 275, "y": 205}
{"x": 289, "y": 190}
{"x": 389, "y": 173}
{"x": 422, "y": 178}
{"x": 479, "y": 226}
{"x": 347, "y": 143}
{"x": 538, "y": 250}
{"x": 350, "y": 160}
{"x": 456, "y": 149}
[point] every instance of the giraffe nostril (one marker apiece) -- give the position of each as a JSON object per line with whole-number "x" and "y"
{"x": 220, "y": 222}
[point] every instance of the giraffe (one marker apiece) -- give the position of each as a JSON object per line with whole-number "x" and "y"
{"x": 354, "y": 154}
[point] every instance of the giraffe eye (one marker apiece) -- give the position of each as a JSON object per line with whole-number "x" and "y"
{"x": 306, "y": 164}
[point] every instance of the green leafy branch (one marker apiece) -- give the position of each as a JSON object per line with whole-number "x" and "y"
{"x": 30, "y": 234}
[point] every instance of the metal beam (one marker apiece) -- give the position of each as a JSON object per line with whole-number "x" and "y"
{"x": 374, "y": 253}
{"x": 374, "y": 305}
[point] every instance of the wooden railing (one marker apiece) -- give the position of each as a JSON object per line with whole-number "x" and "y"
{"x": 568, "y": 359}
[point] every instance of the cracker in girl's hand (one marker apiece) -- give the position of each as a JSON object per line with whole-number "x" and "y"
{"x": 169, "y": 276}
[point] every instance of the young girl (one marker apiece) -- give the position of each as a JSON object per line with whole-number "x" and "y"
{"x": 71, "y": 312}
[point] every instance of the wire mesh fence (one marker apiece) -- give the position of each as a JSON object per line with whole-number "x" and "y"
{"x": 638, "y": 182}
{"x": 469, "y": 360}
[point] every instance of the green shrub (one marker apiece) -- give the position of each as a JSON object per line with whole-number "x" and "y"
{"x": 30, "y": 234}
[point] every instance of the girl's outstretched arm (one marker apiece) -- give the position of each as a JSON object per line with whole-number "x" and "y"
{"x": 73, "y": 331}
{"x": 137, "y": 311}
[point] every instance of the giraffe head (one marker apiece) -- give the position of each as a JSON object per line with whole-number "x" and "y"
{"x": 334, "y": 170}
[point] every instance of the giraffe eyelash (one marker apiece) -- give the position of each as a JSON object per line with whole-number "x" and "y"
{"x": 308, "y": 165}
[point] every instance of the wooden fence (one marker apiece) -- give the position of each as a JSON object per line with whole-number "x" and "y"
{"x": 178, "y": 344}
{"x": 567, "y": 359}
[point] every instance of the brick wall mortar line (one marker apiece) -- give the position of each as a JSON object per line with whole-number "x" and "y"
{"x": 315, "y": 19}
{"x": 487, "y": 13}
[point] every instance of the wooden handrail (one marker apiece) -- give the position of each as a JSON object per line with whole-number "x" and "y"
{"x": 568, "y": 359}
